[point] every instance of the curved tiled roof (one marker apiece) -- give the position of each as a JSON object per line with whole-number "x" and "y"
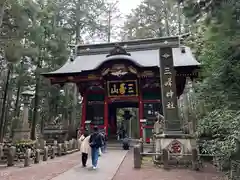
{"x": 144, "y": 58}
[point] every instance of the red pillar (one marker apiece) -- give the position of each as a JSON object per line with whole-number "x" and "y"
{"x": 140, "y": 114}
{"x": 84, "y": 104}
{"x": 140, "y": 109}
{"x": 106, "y": 115}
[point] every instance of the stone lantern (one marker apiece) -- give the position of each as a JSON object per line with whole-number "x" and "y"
{"x": 23, "y": 131}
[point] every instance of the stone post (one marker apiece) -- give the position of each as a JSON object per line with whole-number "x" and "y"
{"x": 54, "y": 149}
{"x": 70, "y": 144}
{"x": 195, "y": 164}
{"x": 55, "y": 143}
{"x": 11, "y": 156}
{"x": 137, "y": 157}
{"x": 65, "y": 146}
{"x": 165, "y": 158}
{"x": 27, "y": 158}
{"x": 1, "y": 151}
{"x": 60, "y": 149}
{"x": 37, "y": 156}
{"x": 45, "y": 153}
{"x": 75, "y": 144}
{"x": 43, "y": 143}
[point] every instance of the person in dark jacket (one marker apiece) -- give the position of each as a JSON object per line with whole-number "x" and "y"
{"x": 95, "y": 143}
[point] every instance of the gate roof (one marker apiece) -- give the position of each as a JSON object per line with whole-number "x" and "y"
{"x": 143, "y": 53}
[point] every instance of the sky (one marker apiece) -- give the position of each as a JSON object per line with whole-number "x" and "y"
{"x": 125, "y": 6}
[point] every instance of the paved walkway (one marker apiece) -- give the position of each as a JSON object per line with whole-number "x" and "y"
{"x": 149, "y": 172}
{"x": 108, "y": 166}
{"x": 114, "y": 165}
{"x": 43, "y": 171}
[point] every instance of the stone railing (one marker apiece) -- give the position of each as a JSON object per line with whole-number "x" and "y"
{"x": 42, "y": 151}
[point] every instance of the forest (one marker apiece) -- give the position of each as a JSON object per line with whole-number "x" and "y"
{"x": 37, "y": 35}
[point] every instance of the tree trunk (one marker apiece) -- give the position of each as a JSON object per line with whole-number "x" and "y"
{"x": 77, "y": 40}
{"x": 8, "y": 120}
{"x": 19, "y": 85}
{"x": 17, "y": 110}
{"x": 65, "y": 114}
{"x": 166, "y": 9}
{"x": 109, "y": 25}
{"x": 74, "y": 110}
{"x": 179, "y": 19}
{"x": 36, "y": 102}
{"x": 2, "y": 121}
{"x": 2, "y": 9}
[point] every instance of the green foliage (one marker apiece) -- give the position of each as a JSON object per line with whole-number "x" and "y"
{"x": 216, "y": 43}
{"x": 25, "y": 142}
{"x": 13, "y": 51}
{"x": 34, "y": 35}
{"x": 22, "y": 146}
{"x": 149, "y": 19}
{"x": 222, "y": 125}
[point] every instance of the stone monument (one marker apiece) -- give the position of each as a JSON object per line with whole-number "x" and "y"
{"x": 22, "y": 133}
{"x": 55, "y": 130}
{"x": 169, "y": 136}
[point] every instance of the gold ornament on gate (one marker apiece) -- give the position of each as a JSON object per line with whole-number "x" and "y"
{"x": 122, "y": 88}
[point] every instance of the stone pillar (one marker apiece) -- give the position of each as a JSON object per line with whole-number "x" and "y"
{"x": 23, "y": 131}
{"x": 1, "y": 151}
{"x": 137, "y": 160}
{"x": 11, "y": 155}
{"x": 168, "y": 86}
{"x": 165, "y": 158}
{"x": 106, "y": 115}
{"x": 143, "y": 123}
{"x": 60, "y": 149}
{"x": 27, "y": 158}
{"x": 37, "y": 156}
{"x": 45, "y": 153}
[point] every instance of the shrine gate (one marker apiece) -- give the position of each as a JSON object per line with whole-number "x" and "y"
{"x": 146, "y": 74}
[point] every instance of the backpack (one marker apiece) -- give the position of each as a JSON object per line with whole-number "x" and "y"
{"x": 96, "y": 141}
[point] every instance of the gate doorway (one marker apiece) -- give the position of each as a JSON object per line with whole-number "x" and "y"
{"x": 118, "y": 125}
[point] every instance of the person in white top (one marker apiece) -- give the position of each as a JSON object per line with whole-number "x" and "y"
{"x": 85, "y": 148}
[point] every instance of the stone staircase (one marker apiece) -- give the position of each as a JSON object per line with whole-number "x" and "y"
{"x": 117, "y": 144}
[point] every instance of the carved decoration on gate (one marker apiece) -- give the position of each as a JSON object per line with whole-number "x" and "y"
{"x": 119, "y": 70}
{"x": 175, "y": 147}
{"x": 118, "y": 50}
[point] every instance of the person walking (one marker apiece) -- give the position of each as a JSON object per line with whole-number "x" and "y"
{"x": 95, "y": 142}
{"x": 85, "y": 148}
{"x": 104, "y": 139}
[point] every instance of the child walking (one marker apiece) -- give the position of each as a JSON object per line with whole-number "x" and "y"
{"x": 85, "y": 148}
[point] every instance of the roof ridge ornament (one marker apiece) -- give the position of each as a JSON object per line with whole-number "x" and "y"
{"x": 118, "y": 50}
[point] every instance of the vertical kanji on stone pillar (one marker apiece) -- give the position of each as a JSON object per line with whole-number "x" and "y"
{"x": 168, "y": 86}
